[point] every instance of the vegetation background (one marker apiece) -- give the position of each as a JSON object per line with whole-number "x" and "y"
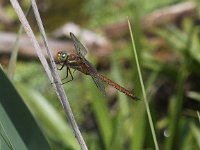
{"x": 31, "y": 116}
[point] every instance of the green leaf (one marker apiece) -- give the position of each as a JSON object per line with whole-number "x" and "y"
{"x": 194, "y": 95}
{"x": 101, "y": 112}
{"x": 9, "y": 136}
{"x": 196, "y": 133}
{"x": 51, "y": 122}
{"x": 21, "y": 116}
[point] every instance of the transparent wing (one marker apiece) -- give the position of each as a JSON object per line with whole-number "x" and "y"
{"x": 99, "y": 84}
{"x": 93, "y": 73}
{"x": 81, "y": 50}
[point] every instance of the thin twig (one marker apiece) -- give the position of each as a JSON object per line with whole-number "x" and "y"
{"x": 57, "y": 85}
{"x": 59, "y": 88}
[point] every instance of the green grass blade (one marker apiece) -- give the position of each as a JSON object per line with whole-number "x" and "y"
{"x": 13, "y": 59}
{"x": 194, "y": 95}
{"x": 120, "y": 134}
{"x": 196, "y": 133}
{"x": 198, "y": 115}
{"x": 116, "y": 76}
{"x": 139, "y": 126}
{"x": 101, "y": 112}
{"x": 143, "y": 91}
{"x": 176, "y": 110}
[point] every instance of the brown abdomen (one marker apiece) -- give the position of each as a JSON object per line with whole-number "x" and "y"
{"x": 117, "y": 86}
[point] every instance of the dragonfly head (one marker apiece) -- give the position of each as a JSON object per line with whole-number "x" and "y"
{"x": 62, "y": 56}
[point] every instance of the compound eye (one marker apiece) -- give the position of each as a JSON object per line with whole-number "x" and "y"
{"x": 63, "y": 55}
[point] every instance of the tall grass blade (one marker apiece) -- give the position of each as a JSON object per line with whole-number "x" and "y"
{"x": 143, "y": 90}
{"x": 13, "y": 59}
{"x": 196, "y": 133}
{"x": 176, "y": 110}
{"x": 101, "y": 112}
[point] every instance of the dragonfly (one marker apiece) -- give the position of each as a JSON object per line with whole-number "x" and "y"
{"x": 77, "y": 61}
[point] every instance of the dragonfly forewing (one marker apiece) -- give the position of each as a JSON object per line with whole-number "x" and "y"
{"x": 81, "y": 50}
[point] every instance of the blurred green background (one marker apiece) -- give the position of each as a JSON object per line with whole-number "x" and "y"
{"x": 169, "y": 57}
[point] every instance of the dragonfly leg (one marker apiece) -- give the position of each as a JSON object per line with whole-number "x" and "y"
{"x": 74, "y": 71}
{"x": 68, "y": 72}
{"x": 61, "y": 66}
